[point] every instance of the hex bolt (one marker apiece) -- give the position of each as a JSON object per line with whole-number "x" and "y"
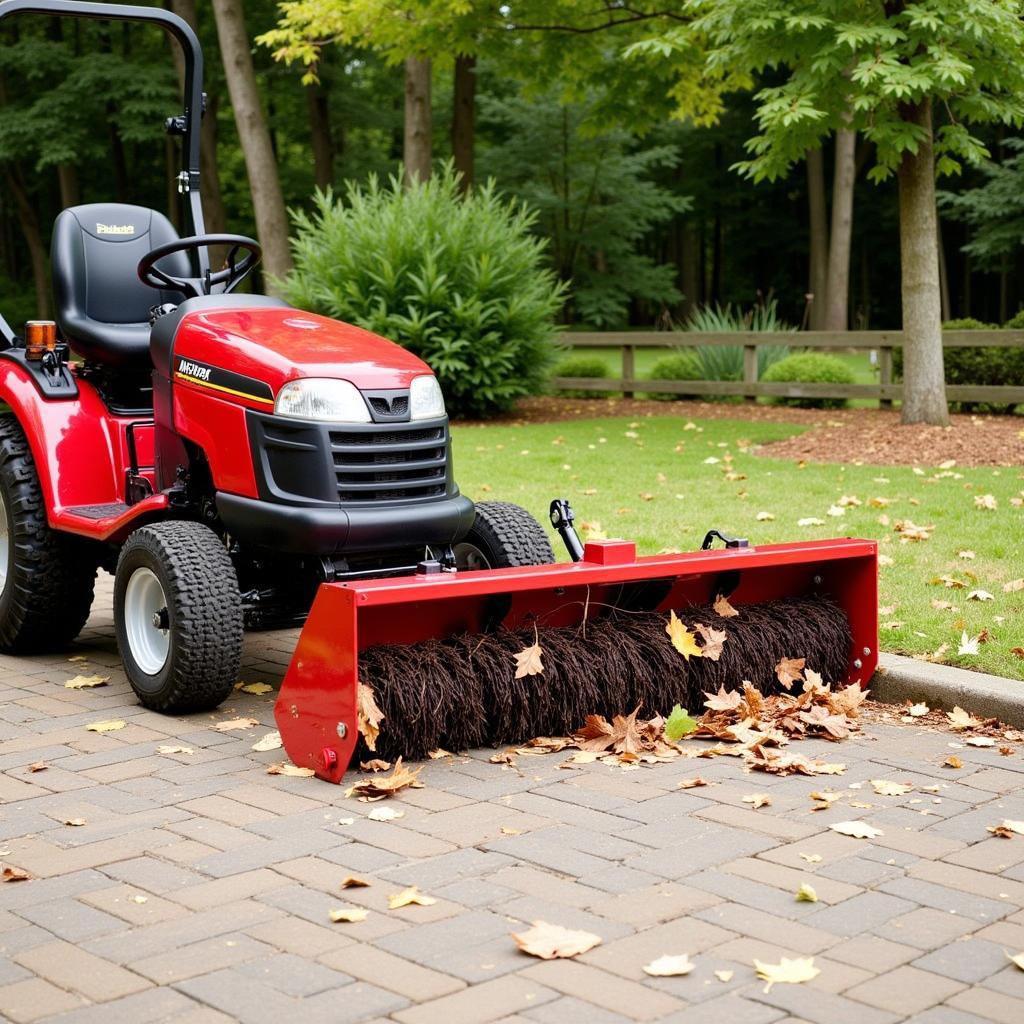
{"x": 342, "y": 730}
{"x": 817, "y": 581}
{"x": 858, "y": 663}
{"x": 867, "y": 652}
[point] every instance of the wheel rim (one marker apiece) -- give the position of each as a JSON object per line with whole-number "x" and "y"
{"x": 5, "y": 544}
{"x": 469, "y": 557}
{"x": 145, "y": 621}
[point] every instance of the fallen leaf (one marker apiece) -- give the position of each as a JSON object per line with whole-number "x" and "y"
{"x": 806, "y": 894}
{"x": 409, "y": 897}
{"x": 551, "y": 941}
{"x": 856, "y": 829}
{"x": 257, "y": 688}
{"x": 965, "y": 554}
{"x": 272, "y": 741}
{"x": 231, "y": 724}
{"x": 528, "y": 662}
{"x": 140, "y": 899}
{"x": 682, "y": 639}
{"x": 757, "y": 800}
{"x": 723, "y": 608}
{"x": 368, "y": 716}
{"x": 385, "y": 814}
{"x": 349, "y": 915}
{"x": 174, "y": 750}
{"x": 960, "y": 719}
{"x": 789, "y": 972}
{"x": 506, "y": 831}
{"x": 811, "y": 858}
{"x": 723, "y": 701}
{"x": 291, "y": 770}
{"x": 106, "y": 726}
{"x": 986, "y": 501}
{"x": 1018, "y": 960}
{"x": 953, "y": 762}
{"x": 918, "y": 710}
{"x": 790, "y": 671}
{"x": 810, "y": 521}
{"x": 78, "y": 657}
{"x": 679, "y": 724}
{"x": 884, "y": 788}
{"x": 1006, "y": 825}
{"x": 691, "y": 783}
{"x": 38, "y": 766}
{"x": 724, "y": 975}
{"x": 14, "y": 875}
{"x": 1013, "y": 586}
{"x": 352, "y": 882}
{"x": 86, "y": 682}
{"x": 968, "y": 645}
{"x": 387, "y": 785}
{"x": 669, "y": 966}
{"x": 75, "y": 822}
{"x": 764, "y": 517}
{"x": 714, "y": 639}
{"x": 1018, "y": 651}
{"x": 375, "y": 765}
{"x": 980, "y": 741}
{"x": 980, "y": 595}
{"x": 437, "y": 755}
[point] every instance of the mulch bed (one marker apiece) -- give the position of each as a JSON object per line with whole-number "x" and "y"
{"x": 857, "y": 436}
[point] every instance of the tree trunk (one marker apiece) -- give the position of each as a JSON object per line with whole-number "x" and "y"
{"x": 463, "y": 119}
{"x": 817, "y": 278}
{"x": 70, "y": 193}
{"x": 947, "y": 313}
{"x": 33, "y": 239}
{"x": 924, "y": 383}
{"x": 320, "y": 135}
{"x": 416, "y": 153}
{"x": 267, "y": 199}
{"x": 837, "y": 306}
{"x": 209, "y": 177}
{"x": 689, "y": 274}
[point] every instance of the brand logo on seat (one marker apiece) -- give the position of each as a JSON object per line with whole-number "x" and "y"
{"x": 115, "y": 229}
{"x": 194, "y": 370}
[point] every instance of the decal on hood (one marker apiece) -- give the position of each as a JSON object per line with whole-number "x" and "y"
{"x": 225, "y": 381}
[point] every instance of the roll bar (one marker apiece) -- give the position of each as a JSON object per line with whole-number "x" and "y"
{"x": 187, "y": 125}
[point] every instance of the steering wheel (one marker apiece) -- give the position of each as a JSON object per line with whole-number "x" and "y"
{"x": 230, "y": 276}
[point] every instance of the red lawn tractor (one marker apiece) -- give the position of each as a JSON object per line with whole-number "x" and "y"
{"x": 221, "y": 454}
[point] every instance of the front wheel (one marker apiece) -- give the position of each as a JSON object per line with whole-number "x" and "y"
{"x": 503, "y": 535}
{"x": 178, "y": 616}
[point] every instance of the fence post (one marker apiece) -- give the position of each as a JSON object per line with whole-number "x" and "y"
{"x": 885, "y": 373}
{"x": 750, "y": 371}
{"x": 628, "y": 367}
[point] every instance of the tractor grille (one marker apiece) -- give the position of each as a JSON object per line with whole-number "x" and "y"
{"x": 397, "y": 464}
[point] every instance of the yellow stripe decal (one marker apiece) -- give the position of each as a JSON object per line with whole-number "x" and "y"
{"x": 220, "y": 387}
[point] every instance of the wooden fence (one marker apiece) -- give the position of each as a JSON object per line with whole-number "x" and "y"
{"x": 883, "y": 342}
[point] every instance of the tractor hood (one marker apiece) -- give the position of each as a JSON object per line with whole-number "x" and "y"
{"x": 274, "y": 344}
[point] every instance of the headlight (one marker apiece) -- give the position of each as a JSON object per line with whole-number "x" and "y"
{"x": 319, "y": 398}
{"x": 425, "y": 399}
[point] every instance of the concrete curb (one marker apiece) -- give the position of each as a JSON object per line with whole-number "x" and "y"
{"x": 899, "y": 679}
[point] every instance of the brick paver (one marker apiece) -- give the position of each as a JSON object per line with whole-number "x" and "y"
{"x": 199, "y": 889}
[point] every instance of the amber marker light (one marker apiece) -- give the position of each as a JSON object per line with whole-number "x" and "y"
{"x": 40, "y": 337}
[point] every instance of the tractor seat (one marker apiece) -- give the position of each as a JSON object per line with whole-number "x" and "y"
{"x": 102, "y": 306}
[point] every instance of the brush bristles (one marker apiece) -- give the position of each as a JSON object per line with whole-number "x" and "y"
{"x": 461, "y": 692}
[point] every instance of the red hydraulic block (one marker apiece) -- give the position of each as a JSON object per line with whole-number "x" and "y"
{"x": 316, "y": 709}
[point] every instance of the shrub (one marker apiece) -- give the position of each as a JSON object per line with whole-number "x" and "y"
{"x": 459, "y": 281}
{"x": 979, "y": 366}
{"x": 682, "y": 366}
{"x": 725, "y": 362}
{"x": 811, "y": 368}
{"x": 582, "y": 366}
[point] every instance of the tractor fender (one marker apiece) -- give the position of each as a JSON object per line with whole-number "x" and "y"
{"x": 74, "y": 441}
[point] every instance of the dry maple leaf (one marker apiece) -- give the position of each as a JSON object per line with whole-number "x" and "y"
{"x": 387, "y": 785}
{"x": 291, "y": 770}
{"x": 918, "y": 710}
{"x": 1006, "y": 825}
{"x": 885, "y": 788}
{"x": 75, "y": 822}
{"x": 960, "y": 719}
{"x": 257, "y": 688}
{"x": 168, "y": 749}
{"x": 272, "y": 741}
{"x": 352, "y": 882}
{"x": 349, "y": 915}
{"x": 112, "y": 726}
{"x": 856, "y": 829}
{"x": 953, "y": 762}
{"x": 723, "y": 701}
{"x": 14, "y": 875}
{"x": 409, "y": 897}
{"x": 790, "y": 671}
{"x": 552, "y": 941}
{"x": 1013, "y": 586}
{"x": 714, "y": 640}
{"x": 385, "y": 814}
{"x": 757, "y": 800}
{"x": 848, "y": 700}
{"x": 691, "y": 783}
{"x": 788, "y": 972}
{"x": 724, "y": 975}
{"x": 38, "y": 766}
{"x": 375, "y": 765}
{"x": 1017, "y": 651}
{"x": 1018, "y": 960}
{"x": 723, "y": 608}
{"x": 968, "y": 645}
{"x": 528, "y": 662}
{"x": 86, "y": 682}
{"x": 682, "y": 639}
{"x": 987, "y": 502}
{"x": 811, "y": 858}
{"x": 368, "y": 716}
{"x": 980, "y": 741}
{"x": 235, "y": 723}
{"x": 437, "y": 755}
{"x": 834, "y": 727}
{"x": 669, "y": 966}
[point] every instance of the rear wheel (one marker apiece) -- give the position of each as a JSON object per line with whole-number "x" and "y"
{"x": 178, "y": 616}
{"x": 46, "y": 577}
{"x": 503, "y": 535}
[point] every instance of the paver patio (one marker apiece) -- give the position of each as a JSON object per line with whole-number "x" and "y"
{"x": 199, "y": 888}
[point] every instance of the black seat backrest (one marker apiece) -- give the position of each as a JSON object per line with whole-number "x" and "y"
{"x": 102, "y": 306}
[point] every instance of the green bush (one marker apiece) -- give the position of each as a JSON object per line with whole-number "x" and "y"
{"x": 582, "y": 366}
{"x": 458, "y": 280}
{"x": 811, "y": 368}
{"x": 725, "y": 362}
{"x": 682, "y": 366}
{"x": 978, "y": 366}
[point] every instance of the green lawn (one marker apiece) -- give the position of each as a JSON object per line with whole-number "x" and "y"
{"x": 652, "y": 484}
